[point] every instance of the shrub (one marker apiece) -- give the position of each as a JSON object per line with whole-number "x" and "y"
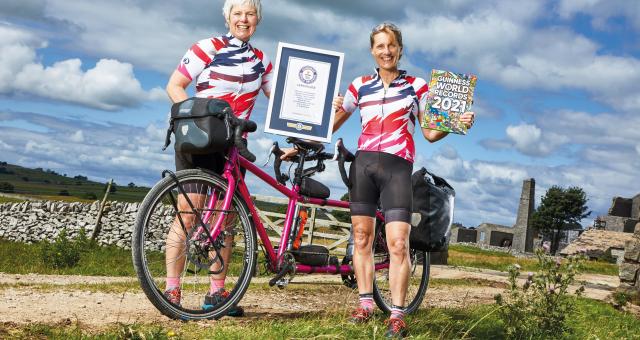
{"x": 89, "y": 196}
{"x": 6, "y": 187}
{"x": 63, "y": 252}
{"x": 539, "y": 308}
{"x": 63, "y": 193}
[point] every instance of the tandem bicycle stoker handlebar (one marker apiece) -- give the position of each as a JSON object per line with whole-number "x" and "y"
{"x": 312, "y": 151}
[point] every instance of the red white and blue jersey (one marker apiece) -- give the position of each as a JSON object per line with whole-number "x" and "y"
{"x": 230, "y": 69}
{"x": 388, "y": 116}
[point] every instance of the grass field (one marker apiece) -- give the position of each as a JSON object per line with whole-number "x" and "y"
{"x": 20, "y": 258}
{"x": 593, "y": 320}
{"x": 469, "y": 256}
{"x": 47, "y": 184}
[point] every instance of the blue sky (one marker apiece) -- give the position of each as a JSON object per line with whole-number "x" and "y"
{"x": 81, "y": 87}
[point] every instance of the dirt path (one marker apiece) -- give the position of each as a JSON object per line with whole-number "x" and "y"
{"x": 22, "y": 300}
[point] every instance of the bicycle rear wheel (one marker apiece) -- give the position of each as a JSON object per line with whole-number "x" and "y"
{"x": 160, "y": 241}
{"x": 418, "y": 277}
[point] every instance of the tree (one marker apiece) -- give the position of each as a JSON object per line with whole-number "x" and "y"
{"x": 560, "y": 209}
{"x": 131, "y": 185}
{"x": 113, "y": 188}
{"x": 6, "y": 187}
{"x": 343, "y": 216}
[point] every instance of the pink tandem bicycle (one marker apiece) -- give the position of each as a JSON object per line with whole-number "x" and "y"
{"x": 224, "y": 215}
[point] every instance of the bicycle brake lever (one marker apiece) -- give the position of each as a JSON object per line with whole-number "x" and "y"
{"x": 273, "y": 147}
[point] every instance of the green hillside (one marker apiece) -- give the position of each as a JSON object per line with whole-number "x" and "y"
{"x": 47, "y": 184}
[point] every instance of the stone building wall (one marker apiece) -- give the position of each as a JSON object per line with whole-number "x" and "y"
{"x": 630, "y": 268}
{"x": 619, "y": 224}
{"x": 635, "y": 207}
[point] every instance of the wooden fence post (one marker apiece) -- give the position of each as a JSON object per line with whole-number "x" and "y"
{"x": 313, "y": 224}
{"x": 97, "y": 227}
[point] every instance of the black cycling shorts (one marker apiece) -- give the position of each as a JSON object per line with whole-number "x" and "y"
{"x": 381, "y": 177}
{"x": 213, "y": 162}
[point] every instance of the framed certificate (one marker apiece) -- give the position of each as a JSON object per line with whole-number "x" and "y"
{"x": 306, "y": 81}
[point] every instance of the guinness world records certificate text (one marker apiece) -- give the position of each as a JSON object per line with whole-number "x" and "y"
{"x": 306, "y": 81}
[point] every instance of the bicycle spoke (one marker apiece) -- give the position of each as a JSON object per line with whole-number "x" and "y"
{"x": 172, "y": 242}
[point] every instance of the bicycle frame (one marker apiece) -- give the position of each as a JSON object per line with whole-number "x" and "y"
{"x": 236, "y": 181}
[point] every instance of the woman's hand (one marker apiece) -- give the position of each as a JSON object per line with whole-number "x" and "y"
{"x": 337, "y": 103}
{"x": 467, "y": 119}
{"x": 288, "y": 154}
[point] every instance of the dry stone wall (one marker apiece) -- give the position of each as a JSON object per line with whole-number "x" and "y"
{"x": 630, "y": 269}
{"x": 33, "y": 221}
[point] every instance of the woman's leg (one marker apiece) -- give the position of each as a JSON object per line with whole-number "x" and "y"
{"x": 175, "y": 256}
{"x": 400, "y": 263}
{"x": 363, "y": 230}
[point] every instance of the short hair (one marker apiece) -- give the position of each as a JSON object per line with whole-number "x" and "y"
{"x": 228, "y": 4}
{"x": 388, "y": 28}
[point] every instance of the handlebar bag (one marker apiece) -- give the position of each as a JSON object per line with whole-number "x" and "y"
{"x": 433, "y": 199}
{"x": 199, "y": 126}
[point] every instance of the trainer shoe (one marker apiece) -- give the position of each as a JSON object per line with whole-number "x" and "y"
{"x": 173, "y": 295}
{"x": 212, "y": 300}
{"x": 361, "y": 315}
{"x": 396, "y": 328}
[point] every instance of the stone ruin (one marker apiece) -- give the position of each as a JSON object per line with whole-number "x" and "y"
{"x": 623, "y": 215}
{"x": 610, "y": 234}
{"x": 599, "y": 244}
{"x": 630, "y": 267}
{"x": 519, "y": 237}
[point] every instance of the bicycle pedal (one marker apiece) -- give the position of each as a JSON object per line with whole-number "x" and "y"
{"x": 282, "y": 283}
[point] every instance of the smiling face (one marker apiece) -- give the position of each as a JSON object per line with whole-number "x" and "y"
{"x": 386, "y": 51}
{"x": 242, "y": 21}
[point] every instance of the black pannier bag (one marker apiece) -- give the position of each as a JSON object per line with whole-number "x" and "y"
{"x": 199, "y": 126}
{"x": 433, "y": 199}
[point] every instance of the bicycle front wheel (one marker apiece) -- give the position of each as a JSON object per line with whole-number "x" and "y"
{"x": 418, "y": 276}
{"x": 169, "y": 242}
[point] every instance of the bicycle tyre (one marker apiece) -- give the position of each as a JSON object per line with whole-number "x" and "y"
{"x": 149, "y": 271}
{"x": 418, "y": 279}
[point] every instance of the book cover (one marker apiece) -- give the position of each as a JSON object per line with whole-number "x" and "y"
{"x": 450, "y": 95}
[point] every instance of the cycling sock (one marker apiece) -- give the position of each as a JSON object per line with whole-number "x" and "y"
{"x": 366, "y": 301}
{"x": 173, "y": 282}
{"x": 216, "y": 285}
{"x": 397, "y": 312}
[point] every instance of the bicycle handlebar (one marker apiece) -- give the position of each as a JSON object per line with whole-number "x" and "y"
{"x": 341, "y": 154}
{"x": 276, "y": 151}
{"x": 239, "y": 127}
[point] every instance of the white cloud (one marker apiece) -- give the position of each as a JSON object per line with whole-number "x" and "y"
{"x": 532, "y": 141}
{"x": 110, "y": 85}
{"x": 77, "y": 137}
{"x": 601, "y": 11}
{"x": 157, "y": 42}
{"x": 513, "y": 52}
{"x": 6, "y": 146}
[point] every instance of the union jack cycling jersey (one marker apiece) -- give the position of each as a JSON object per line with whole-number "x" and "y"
{"x": 388, "y": 116}
{"x": 230, "y": 69}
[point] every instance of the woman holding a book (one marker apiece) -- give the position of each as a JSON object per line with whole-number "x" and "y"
{"x": 390, "y": 102}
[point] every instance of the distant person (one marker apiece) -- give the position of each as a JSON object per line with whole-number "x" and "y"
{"x": 229, "y": 68}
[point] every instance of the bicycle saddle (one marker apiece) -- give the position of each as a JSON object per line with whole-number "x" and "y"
{"x": 305, "y": 144}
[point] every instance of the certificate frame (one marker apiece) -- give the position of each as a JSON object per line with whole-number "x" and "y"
{"x": 300, "y": 94}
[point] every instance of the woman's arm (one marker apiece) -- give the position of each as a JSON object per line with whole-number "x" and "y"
{"x": 429, "y": 134}
{"x": 434, "y": 135}
{"x": 341, "y": 114}
{"x": 176, "y": 87}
